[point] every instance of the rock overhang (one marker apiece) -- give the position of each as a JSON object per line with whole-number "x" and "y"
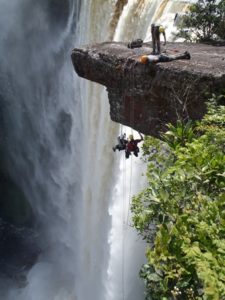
{"x": 147, "y": 97}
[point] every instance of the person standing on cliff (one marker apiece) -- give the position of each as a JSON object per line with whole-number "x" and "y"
{"x": 156, "y": 30}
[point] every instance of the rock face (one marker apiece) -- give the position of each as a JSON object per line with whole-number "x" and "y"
{"x": 18, "y": 237}
{"x": 147, "y": 97}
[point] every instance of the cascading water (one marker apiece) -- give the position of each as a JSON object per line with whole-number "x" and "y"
{"x": 41, "y": 125}
{"x": 56, "y": 139}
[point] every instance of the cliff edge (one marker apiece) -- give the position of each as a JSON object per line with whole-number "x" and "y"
{"x": 147, "y": 97}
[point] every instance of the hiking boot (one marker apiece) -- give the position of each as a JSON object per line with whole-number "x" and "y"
{"x": 114, "y": 149}
{"x": 136, "y": 154}
{"x": 187, "y": 55}
{"x": 127, "y": 154}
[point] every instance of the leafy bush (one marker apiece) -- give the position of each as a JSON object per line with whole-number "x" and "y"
{"x": 181, "y": 214}
{"x": 205, "y": 21}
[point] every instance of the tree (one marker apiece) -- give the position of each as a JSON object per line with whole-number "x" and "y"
{"x": 205, "y": 21}
{"x": 220, "y": 30}
{"x": 181, "y": 214}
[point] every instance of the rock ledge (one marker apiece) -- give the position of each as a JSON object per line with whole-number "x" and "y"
{"x": 147, "y": 97}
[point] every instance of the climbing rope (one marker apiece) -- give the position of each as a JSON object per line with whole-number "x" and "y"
{"x": 126, "y": 208}
{"x": 130, "y": 189}
{"x": 132, "y": 108}
{"x": 123, "y": 235}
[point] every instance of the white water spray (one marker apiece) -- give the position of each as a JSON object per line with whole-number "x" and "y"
{"x": 40, "y": 150}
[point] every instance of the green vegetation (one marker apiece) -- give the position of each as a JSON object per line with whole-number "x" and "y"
{"x": 205, "y": 21}
{"x": 181, "y": 214}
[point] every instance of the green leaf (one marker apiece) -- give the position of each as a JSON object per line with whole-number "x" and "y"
{"x": 181, "y": 214}
{"x": 154, "y": 277}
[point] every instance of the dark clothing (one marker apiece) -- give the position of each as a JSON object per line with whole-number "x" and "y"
{"x": 128, "y": 153}
{"x": 122, "y": 142}
{"x": 155, "y": 32}
{"x": 156, "y": 39}
{"x": 132, "y": 147}
{"x": 167, "y": 58}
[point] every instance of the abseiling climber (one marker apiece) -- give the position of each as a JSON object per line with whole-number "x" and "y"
{"x": 122, "y": 141}
{"x": 148, "y": 59}
{"x": 132, "y": 146}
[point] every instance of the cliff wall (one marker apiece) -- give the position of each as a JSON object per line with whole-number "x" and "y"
{"x": 147, "y": 97}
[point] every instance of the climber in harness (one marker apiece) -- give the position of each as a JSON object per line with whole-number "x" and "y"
{"x": 122, "y": 142}
{"x": 148, "y": 59}
{"x": 156, "y": 30}
{"x": 132, "y": 146}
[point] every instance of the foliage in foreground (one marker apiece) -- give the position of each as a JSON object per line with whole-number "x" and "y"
{"x": 205, "y": 21}
{"x": 181, "y": 214}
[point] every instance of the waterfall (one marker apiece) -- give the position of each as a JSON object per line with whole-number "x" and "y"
{"x": 41, "y": 126}
{"x": 56, "y": 145}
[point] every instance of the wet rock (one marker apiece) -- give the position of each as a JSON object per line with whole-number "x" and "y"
{"x": 147, "y": 97}
{"x": 18, "y": 237}
{"x": 18, "y": 250}
{"x": 14, "y": 207}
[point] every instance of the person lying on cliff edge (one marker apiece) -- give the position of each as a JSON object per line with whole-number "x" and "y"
{"x": 132, "y": 146}
{"x": 148, "y": 59}
{"x": 122, "y": 141}
{"x": 156, "y": 30}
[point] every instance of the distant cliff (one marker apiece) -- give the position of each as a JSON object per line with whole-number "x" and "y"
{"x": 147, "y": 97}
